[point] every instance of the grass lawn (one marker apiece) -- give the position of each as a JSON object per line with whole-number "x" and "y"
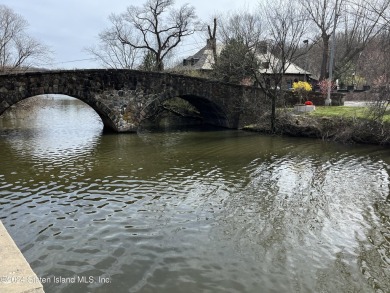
{"x": 344, "y": 111}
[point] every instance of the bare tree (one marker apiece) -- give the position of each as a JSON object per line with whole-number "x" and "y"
{"x": 156, "y": 27}
{"x": 359, "y": 26}
{"x": 374, "y": 62}
{"x": 270, "y": 39}
{"x": 111, "y": 52}
{"x": 358, "y": 22}
{"x": 284, "y": 27}
{"x": 379, "y": 8}
{"x": 17, "y": 49}
{"x": 241, "y": 25}
{"x": 322, "y": 14}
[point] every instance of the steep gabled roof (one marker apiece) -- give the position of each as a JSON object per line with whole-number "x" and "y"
{"x": 204, "y": 59}
{"x": 274, "y": 65}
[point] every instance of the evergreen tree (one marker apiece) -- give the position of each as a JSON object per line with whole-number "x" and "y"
{"x": 236, "y": 62}
{"x": 148, "y": 62}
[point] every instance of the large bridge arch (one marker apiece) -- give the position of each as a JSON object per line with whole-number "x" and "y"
{"x": 18, "y": 87}
{"x": 210, "y": 112}
{"x": 101, "y": 110}
{"x": 121, "y": 97}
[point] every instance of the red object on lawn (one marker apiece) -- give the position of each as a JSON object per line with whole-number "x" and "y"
{"x": 308, "y": 103}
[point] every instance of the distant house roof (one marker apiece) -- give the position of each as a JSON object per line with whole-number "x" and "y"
{"x": 271, "y": 64}
{"x": 204, "y": 60}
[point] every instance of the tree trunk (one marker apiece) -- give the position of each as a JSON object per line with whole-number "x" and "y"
{"x": 160, "y": 66}
{"x": 325, "y": 54}
{"x": 159, "y": 63}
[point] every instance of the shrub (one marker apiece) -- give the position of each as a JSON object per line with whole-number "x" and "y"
{"x": 302, "y": 88}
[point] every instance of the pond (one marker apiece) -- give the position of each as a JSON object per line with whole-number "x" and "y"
{"x": 195, "y": 210}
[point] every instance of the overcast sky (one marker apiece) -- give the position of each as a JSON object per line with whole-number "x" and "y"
{"x": 67, "y": 27}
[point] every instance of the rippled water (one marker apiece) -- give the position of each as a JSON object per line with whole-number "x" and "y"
{"x": 191, "y": 211}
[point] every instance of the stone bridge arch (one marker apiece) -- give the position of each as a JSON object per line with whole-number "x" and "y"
{"x": 122, "y": 97}
{"x": 211, "y": 113}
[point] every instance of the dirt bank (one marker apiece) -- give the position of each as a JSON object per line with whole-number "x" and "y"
{"x": 340, "y": 129}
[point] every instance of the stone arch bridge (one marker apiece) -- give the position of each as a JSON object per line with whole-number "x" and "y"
{"x": 123, "y": 98}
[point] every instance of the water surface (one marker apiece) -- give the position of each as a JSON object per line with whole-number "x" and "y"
{"x": 191, "y": 211}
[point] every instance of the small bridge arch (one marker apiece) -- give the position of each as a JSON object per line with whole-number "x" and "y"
{"x": 121, "y": 97}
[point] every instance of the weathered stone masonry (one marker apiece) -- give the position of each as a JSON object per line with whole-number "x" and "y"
{"x": 123, "y": 98}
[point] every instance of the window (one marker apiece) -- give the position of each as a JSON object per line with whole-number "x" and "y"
{"x": 194, "y": 60}
{"x": 289, "y": 83}
{"x": 265, "y": 65}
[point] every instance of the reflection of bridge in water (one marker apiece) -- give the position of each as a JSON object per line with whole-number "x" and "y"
{"x": 123, "y": 98}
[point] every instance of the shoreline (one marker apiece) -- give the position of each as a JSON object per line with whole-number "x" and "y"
{"x": 16, "y": 275}
{"x": 338, "y": 129}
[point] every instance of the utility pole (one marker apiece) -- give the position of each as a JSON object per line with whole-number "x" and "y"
{"x": 306, "y": 42}
{"x": 328, "y": 100}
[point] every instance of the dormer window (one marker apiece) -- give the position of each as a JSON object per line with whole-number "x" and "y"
{"x": 194, "y": 60}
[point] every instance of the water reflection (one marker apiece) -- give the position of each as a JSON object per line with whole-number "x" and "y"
{"x": 307, "y": 215}
{"x": 215, "y": 211}
{"x": 70, "y": 131}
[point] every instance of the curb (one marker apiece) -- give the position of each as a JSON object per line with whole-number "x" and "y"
{"x": 16, "y": 275}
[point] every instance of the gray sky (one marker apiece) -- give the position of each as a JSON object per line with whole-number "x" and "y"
{"x": 69, "y": 26}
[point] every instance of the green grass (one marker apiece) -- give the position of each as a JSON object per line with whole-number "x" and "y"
{"x": 345, "y": 111}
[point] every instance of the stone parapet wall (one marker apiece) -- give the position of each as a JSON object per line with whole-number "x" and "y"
{"x": 359, "y": 96}
{"x": 317, "y": 98}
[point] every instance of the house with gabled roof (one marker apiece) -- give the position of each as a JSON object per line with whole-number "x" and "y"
{"x": 203, "y": 61}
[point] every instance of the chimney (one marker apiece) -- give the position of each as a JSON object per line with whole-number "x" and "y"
{"x": 211, "y": 43}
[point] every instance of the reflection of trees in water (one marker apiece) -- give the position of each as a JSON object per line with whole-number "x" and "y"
{"x": 44, "y": 132}
{"x": 30, "y": 105}
{"x": 374, "y": 257}
{"x": 308, "y": 221}
{"x": 16, "y": 116}
{"x": 27, "y": 113}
